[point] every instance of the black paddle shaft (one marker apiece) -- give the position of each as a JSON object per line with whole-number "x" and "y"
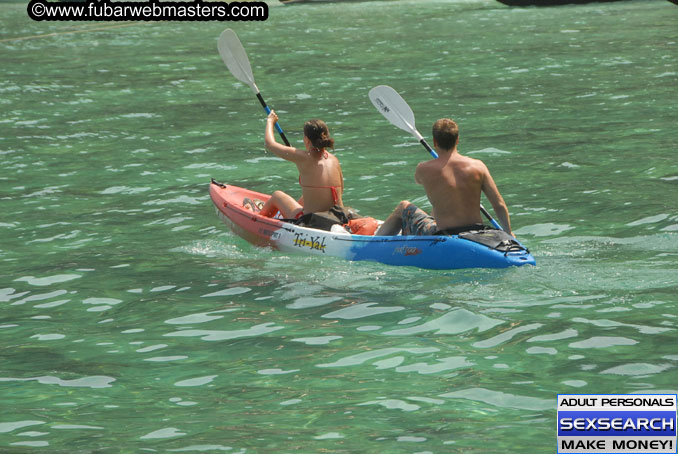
{"x": 428, "y": 148}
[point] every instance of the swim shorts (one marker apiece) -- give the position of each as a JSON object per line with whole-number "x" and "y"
{"x": 417, "y": 222}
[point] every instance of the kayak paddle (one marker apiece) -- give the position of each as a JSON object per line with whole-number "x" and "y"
{"x": 394, "y": 108}
{"x": 234, "y": 56}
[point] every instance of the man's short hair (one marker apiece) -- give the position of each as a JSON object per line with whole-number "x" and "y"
{"x": 446, "y": 133}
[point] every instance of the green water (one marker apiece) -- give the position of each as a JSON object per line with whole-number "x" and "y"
{"x": 132, "y": 320}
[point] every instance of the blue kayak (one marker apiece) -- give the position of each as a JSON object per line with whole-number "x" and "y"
{"x": 479, "y": 249}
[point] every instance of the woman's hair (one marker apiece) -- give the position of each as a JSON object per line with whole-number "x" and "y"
{"x": 318, "y": 133}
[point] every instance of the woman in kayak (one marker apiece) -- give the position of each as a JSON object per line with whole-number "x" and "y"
{"x": 320, "y": 177}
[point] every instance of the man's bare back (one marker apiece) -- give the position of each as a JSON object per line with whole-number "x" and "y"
{"x": 453, "y": 184}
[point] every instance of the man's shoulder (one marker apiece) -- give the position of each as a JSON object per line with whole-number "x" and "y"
{"x": 428, "y": 166}
{"x": 471, "y": 162}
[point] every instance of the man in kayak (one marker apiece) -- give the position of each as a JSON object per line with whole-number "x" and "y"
{"x": 320, "y": 176}
{"x": 453, "y": 184}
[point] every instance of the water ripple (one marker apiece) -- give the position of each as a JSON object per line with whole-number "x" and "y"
{"x": 198, "y": 381}
{"x": 454, "y": 322}
{"x": 321, "y": 340}
{"x": 217, "y": 335}
{"x": 501, "y": 399}
{"x": 444, "y": 364}
{"x": 75, "y": 427}
{"x": 393, "y": 404}
{"x": 49, "y": 280}
{"x": 637, "y": 369}
{"x": 166, "y": 359}
{"x": 33, "y": 444}
{"x": 360, "y": 358}
{"x": 362, "y": 311}
{"x": 228, "y": 292}
{"x": 201, "y": 448}
{"x": 276, "y": 371}
{"x": 307, "y": 302}
{"x": 566, "y": 334}
{"x": 611, "y": 323}
{"x": 547, "y": 229}
{"x": 602, "y": 342}
{"x": 11, "y": 426}
{"x": 38, "y": 297}
{"x": 168, "y": 432}
{"x": 95, "y": 381}
{"x": 330, "y": 436}
{"x": 506, "y": 336}
{"x": 202, "y": 317}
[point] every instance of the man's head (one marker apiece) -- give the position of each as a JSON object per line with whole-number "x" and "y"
{"x": 445, "y": 134}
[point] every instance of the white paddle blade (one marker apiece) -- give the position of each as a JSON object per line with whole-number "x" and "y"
{"x": 234, "y": 56}
{"x": 392, "y": 106}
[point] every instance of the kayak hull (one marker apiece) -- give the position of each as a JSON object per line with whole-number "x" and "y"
{"x": 430, "y": 252}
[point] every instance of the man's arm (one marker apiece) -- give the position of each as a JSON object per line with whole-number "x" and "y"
{"x": 497, "y": 201}
{"x": 418, "y": 174}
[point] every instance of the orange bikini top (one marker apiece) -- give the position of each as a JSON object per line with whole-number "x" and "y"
{"x": 333, "y": 189}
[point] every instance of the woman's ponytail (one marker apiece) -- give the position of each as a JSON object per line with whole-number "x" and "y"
{"x": 325, "y": 141}
{"x": 319, "y": 134}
